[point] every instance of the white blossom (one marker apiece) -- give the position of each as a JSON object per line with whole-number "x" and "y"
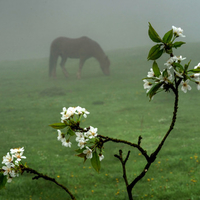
{"x": 101, "y": 157}
{"x": 198, "y": 85}
{"x": 66, "y": 143}
{"x": 180, "y": 58}
{"x": 197, "y": 66}
{"x": 79, "y": 111}
{"x": 79, "y": 136}
{"x": 92, "y": 133}
{"x": 81, "y": 143}
{"x": 8, "y": 159}
{"x": 170, "y": 61}
{"x": 185, "y": 87}
{"x": 6, "y": 169}
{"x": 18, "y": 157}
{"x": 151, "y": 73}
{"x": 167, "y": 78}
{"x": 17, "y": 150}
{"x": 9, "y": 179}
{"x": 88, "y": 152}
{"x": 196, "y": 76}
{"x": 178, "y": 31}
{"x": 67, "y": 113}
{"x": 13, "y": 174}
{"x": 147, "y": 84}
{"x": 60, "y": 136}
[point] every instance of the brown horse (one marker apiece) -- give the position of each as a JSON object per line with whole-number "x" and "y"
{"x": 81, "y": 48}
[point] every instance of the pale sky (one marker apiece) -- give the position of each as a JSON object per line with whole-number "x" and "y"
{"x": 29, "y": 26}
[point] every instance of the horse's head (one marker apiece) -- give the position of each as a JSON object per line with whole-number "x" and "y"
{"x": 105, "y": 64}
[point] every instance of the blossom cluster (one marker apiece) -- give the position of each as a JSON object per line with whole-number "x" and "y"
{"x": 11, "y": 161}
{"x": 86, "y": 138}
{"x": 68, "y": 114}
{"x": 163, "y": 79}
{"x": 166, "y": 76}
{"x": 83, "y": 139}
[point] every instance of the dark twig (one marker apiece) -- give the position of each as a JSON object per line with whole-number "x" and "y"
{"x": 107, "y": 139}
{"x": 139, "y": 140}
{"x": 123, "y": 162}
{"x": 40, "y": 175}
{"x": 155, "y": 153}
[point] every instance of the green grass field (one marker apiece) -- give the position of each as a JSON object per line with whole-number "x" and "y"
{"x": 119, "y": 108}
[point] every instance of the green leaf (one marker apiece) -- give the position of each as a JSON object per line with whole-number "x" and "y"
{"x": 58, "y": 125}
{"x": 153, "y": 34}
{"x": 186, "y": 66}
{"x": 165, "y": 73}
{"x": 156, "y": 69}
{"x": 3, "y": 180}
{"x": 168, "y": 36}
{"x": 179, "y": 66}
{"x": 178, "y": 44}
{"x": 154, "y": 89}
{"x": 155, "y": 52}
{"x": 70, "y": 131}
{"x": 194, "y": 70}
{"x": 96, "y": 163}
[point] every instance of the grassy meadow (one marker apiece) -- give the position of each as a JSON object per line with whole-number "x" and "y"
{"x": 119, "y": 108}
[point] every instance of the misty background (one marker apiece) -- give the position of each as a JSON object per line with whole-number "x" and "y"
{"x": 28, "y": 27}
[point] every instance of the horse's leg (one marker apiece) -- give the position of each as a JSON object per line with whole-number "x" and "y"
{"x": 81, "y": 63}
{"x": 62, "y": 64}
{"x": 54, "y": 72}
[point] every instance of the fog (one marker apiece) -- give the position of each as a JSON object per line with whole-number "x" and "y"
{"x": 29, "y": 26}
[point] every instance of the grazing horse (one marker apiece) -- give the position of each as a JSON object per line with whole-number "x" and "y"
{"x": 81, "y": 48}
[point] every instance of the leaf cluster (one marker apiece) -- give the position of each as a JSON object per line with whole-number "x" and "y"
{"x": 164, "y": 45}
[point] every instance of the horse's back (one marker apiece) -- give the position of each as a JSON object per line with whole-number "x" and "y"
{"x": 74, "y": 47}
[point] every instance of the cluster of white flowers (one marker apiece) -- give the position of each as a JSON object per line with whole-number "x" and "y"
{"x": 168, "y": 76}
{"x": 11, "y": 161}
{"x": 71, "y": 111}
{"x": 85, "y": 138}
{"x": 185, "y": 84}
{"x": 174, "y": 59}
{"x": 165, "y": 77}
{"x": 82, "y": 138}
{"x": 174, "y": 64}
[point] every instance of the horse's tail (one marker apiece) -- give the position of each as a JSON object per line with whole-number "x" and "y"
{"x": 52, "y": 62}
